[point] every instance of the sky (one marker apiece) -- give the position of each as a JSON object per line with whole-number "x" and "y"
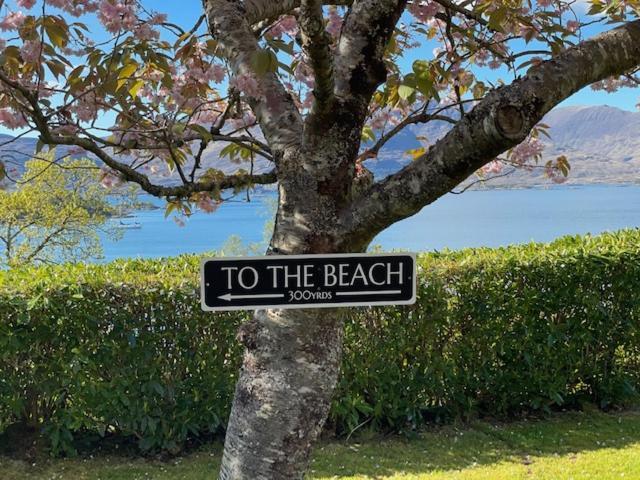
{"x": 186, "y": 13}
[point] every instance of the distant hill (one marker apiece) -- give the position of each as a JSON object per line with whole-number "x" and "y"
{"x": 601, "y": 142}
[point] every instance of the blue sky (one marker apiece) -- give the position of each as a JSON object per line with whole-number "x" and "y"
{"x": 186, "y": 12}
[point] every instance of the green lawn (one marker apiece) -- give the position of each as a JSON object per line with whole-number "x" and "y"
{"x": 567, "y": 446}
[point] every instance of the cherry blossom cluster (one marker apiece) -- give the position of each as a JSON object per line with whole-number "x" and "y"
{"x": 613, "y": 84}
{"x": 170, "y": 89}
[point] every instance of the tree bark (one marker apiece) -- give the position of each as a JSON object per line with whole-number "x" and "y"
{"x": 292, "y": 357}
{"x": 284, "y": 392}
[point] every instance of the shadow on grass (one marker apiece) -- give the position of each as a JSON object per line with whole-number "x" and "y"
{"x": 480, "y": 443}
{"x": 443, "y": 450}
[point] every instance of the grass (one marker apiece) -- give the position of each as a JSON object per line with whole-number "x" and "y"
{"x": 568, "y": 446}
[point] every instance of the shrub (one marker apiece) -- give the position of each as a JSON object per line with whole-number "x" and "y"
{"x": 124, "y": 348}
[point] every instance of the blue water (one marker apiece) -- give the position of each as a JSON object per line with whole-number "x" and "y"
{"x": 475, "y": 218}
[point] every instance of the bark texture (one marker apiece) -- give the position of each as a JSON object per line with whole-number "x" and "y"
{"x": 283, "y": 394}
{"x": 292, "y": 357}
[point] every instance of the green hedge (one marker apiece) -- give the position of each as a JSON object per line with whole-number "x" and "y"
{"x": 125, "y": 349}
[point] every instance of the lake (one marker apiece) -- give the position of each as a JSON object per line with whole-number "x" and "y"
{"x": 473, "y": 219}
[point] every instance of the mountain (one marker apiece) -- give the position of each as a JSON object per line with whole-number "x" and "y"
{"x": 602, "y": 144}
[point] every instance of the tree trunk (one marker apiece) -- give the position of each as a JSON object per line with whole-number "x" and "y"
{"x": 292, "y": 357}
{"x": 284, "y": 392}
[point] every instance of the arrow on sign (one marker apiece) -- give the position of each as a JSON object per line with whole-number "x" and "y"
{"x": 228, "y": 297}
{"x": 378, "y": 292}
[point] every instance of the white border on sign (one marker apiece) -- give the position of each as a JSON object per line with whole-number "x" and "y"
{"x": 304, "y": 306}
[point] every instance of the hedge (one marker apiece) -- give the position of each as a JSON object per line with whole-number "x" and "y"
{"x": 124, "y": 349}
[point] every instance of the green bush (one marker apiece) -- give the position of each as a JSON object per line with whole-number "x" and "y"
{"x": 125, "y": 349}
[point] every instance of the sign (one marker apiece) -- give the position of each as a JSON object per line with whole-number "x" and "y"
{"x": 308, "y": 281}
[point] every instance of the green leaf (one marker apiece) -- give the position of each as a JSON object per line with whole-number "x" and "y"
{"x": 202, "y": 131}
{"x": 57, "y": 34}
{"x": 368, "y": 134}
{"x": 135, "y": 88}
{"x": 405, "y": 91}
{"x": 126, "y": 73}
{"x": 263, "y": 62}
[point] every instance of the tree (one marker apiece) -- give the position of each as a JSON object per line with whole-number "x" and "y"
{"x": 314, "y": 89}
{"x": 57, "y": 213}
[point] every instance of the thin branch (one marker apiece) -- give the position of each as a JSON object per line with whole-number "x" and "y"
{"x": 463, "y": 11}
{"x": 482, "y": 180}
{"x": 422, "y": 117}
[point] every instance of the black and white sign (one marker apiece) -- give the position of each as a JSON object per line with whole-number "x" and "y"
{"x": 308, "y": 281}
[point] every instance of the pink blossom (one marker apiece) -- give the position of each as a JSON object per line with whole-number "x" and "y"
{"x": 424, "y": 11}
{"x": 247, "y": 84}
{"x": 110, "y": 178}
{"x": 383, "y": 119}
{"x": 86, "y": 107}
{"x": 334, "y": 25}
{"x": 304, "y": 73}
{"x": 158, "y": 19}
{"x": 573, "y": 26}
{"x": 287, "y": 25}
{"x": 613, "y": 84}
{"x": 531, "y": 148}
{"x": 11, "y": 120}
{"x": 207, "y": 204}
{"x": 554, "y": 174}
{"x": 205, "y": 117}
{"x": 12, "y": 21}
{"x": 117, "y": 15}
{"x": 217, "y": 73}
{"x": 494, "y": 166}
{"x": 495, "y": 63}
{"x": 481, "y": 56}
{"x": 75, "y": 7}
{"x": 28, "y": 4}
{"x": 30, "y": 51}
{"x": 146, "y": 32}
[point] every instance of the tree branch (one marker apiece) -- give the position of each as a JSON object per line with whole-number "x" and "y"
{"x": 500, "y": 121}
{"x": 127, "y": 172}
{"x": 317, "y": 46}
{"x": 276, "y": 112}
{"x": 463, "y": 11}
{"x": 422, "y": 117}
{"x": 258, "y": 10}
{"x": 367, "y": 30}
{"x": 130, "y": 174}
